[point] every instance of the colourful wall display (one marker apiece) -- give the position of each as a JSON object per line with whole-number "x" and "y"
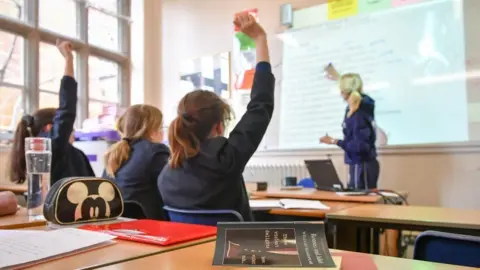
{"x": 365, "y": 6}
{"x": 338, "y": 9}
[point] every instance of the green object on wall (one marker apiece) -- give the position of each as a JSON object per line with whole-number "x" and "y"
{"x": 246, "y": 43}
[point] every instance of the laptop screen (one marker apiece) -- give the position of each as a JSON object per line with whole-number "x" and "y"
{"x": 323, "y": 173}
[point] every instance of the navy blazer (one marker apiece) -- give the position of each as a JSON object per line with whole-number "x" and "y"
{"x": 137, "y": 177}
{"x": 213, "y": 178}
{"x": 67, "y": 161}
{"x": 359, "y": 133}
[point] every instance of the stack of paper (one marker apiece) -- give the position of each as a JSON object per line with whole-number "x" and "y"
{"x": 288, "y": 204}
{"x": 19, "y": 248}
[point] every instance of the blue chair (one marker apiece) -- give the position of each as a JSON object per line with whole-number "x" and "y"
{"x": 307, "y": 183}
{"x": 202, "y": 217}
{"x": 448, "y": 248}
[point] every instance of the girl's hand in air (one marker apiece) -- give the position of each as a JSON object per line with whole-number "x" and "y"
{"x": 249, "y": 26}
{"x": 65, "y": 48}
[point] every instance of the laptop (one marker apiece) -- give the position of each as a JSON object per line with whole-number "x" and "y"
{"x": 325, "y": 176}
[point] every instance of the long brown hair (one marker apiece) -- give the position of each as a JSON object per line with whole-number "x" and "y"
{"x": 198, "y": 112}
{"x": 138, "y": 122}
{"x": 29, "y": 126}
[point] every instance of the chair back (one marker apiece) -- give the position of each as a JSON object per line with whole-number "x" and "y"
{"x": 132, "y": 209}
{"x": 202, "y": 217}
{"x": 307, "y": 183}
{"x": 448, "y": 248}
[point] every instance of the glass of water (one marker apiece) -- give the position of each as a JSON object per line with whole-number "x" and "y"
{"x": 38, "y": 156}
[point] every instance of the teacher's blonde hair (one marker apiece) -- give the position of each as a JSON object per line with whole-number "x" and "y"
{"x": 352, "y": 84}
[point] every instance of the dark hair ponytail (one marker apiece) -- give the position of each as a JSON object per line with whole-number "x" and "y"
{"x": 18, "y": 167}
{"x": 198, "y": 112}
{"x": 29, "y": 126}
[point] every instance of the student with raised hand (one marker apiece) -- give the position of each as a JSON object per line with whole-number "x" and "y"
{"x": 135, "y": 162}
{"x": 56, "y": 124}
{"x": 205, "y": 170}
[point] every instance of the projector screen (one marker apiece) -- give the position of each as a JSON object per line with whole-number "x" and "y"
{"x": 411, "y": 56}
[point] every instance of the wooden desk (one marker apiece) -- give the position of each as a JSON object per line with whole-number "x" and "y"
{"x": 17, "y": 189}
{"x": 413, "y": 218}
{"x": 416, "y": 218}
{"x": 313, "y": 194}
{"x": 201, "y": 257}
{"x": 121, "y": 251}
{"x": 19, "y": 220}
{"x": 320, "y": 214}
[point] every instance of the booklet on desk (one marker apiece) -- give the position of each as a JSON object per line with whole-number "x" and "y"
{"x": 19, "y": 249}
{"x": 273, "y": 244}
{"x": 154, "y": 232}
{"x": 288, "y": 204}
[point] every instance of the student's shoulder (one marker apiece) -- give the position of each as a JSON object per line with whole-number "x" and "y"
{"x": 214, "y": 145}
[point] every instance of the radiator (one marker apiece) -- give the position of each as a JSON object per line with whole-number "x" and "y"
{"x": 274, "y": 174}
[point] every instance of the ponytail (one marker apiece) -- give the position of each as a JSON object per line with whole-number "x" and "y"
{"x": 18, "y": 166}
{"x": 354, "y": 101}
{"x": 116, "y": 156}
{"x": 183, "y": 142}
{"x": 352, "y": 84}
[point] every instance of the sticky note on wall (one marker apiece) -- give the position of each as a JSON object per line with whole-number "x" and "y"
{"x": 398, "y": 3}
{"x": 365, "y": 6}
{"x": 338, "y": 9}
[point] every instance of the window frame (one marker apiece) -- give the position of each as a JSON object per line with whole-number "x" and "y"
{"x": 33, "y": 35}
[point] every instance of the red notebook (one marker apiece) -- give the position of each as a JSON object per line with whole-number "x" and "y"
{"x": 154, "y": 232}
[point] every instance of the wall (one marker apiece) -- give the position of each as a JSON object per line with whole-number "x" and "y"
{"x": 439, "y": 176}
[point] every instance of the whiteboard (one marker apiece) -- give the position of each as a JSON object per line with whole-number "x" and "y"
{"x": 414, "y": 60}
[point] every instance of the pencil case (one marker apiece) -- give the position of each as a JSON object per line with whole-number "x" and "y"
{"x": 76, "y": 200}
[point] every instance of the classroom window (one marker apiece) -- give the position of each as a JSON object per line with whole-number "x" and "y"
{"x": 103, "y": 24}
{"x": 103, "y": 80}
{"x": 58, "y": 16}
{"x": 12, "y": 9}
{"x": 52, "y": 66}
{"x": 48, "y": 100}
{"x": 11, "y": 59}
{"x": 30, "y": 72}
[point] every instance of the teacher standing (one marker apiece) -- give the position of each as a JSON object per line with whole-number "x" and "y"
{"x": 358, "y": 131}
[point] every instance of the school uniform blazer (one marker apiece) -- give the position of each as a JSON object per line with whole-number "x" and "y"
{"x": 359, "y": 133}
{"x": 213, "y": 178}
{"x": 137, "y": 177}
{"x": 67, "y": 161}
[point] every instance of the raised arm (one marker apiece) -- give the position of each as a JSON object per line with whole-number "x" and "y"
{"x": 248, "y": 133}
{"x": 65, "y": 116}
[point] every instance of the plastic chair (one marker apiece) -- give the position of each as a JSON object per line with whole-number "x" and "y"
{"x": 448, "y": 248}
{"x": 202, "y": 217}
{"x": 307, "y": 183}
{"x": 132, "y": 209}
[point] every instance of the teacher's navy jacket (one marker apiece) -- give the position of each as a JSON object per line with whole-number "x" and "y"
{"x": 359, "y": 133}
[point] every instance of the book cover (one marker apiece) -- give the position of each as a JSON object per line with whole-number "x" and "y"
{"x": 282, "y": 244}
{"x": 154, "y": 232}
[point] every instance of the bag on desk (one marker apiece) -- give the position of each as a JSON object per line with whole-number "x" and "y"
{"x": 76, "y": 200}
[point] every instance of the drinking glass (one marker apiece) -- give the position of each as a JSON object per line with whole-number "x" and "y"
{"x": 38, "y": 156}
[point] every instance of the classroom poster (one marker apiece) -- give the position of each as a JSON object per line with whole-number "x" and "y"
{"x": 282, "y": 244}
{"x": 243, "y": 57}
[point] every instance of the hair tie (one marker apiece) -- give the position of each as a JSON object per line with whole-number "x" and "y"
{"x": 128, "y": 140}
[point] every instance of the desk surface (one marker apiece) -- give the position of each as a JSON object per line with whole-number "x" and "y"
{"x": 120, "y": 251}
{"x": 201, "y": 257}
{"x": 313, "y": 194}
{"x": 17, "y": 189}
{"x": 334, "y": 206}
{"x": 411, "y": 215}
{"x": 19, "y": 220}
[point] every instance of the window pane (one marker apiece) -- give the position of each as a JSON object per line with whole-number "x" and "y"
{"x": 12, "y": 8}
{"x": 10, "y": 107}
{"x": 11, "y": 58}
{"x": 95, "y": 108}
{"x": 108, "y": 5}
{"x": 58, "y": 16}
{"x": 48, "y": 100}
{"x": 102, "y": 29}
{"x": 103, "y": 80}
{"x": 52, "y": 66}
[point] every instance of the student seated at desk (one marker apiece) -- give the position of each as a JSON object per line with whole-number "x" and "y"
{"x": 8, "y": 203}
{"x": 56, "y": 124}
{"x": 205, "y": 171}
{"x": 135, "y": 162}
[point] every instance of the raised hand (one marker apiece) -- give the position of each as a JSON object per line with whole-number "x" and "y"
{"x": 65, "y": 48}
{"x": 331, "y": 73}
{"x": 249, "y": 26}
